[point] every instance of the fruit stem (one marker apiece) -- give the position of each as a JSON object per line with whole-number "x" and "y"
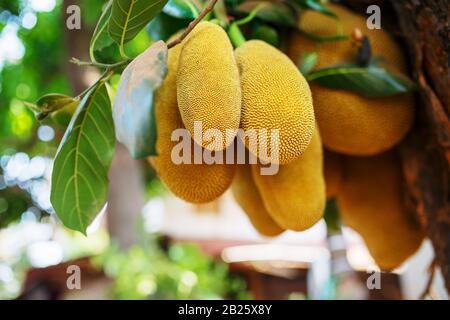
{"x": 236, "y": 36}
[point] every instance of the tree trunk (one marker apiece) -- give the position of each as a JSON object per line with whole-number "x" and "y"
{"x": 424, "y": 28}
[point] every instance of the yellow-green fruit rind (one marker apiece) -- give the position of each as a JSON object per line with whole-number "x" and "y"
{"x": 295, "y": 196}
{"x": 275, "y": 96}
{"x": 338, "y": 52}
{"x": 208, "y": 84}
{"x": 247, "y": 196}
{"x": 349, "y": 123}
{"x": 355, "y": 125}
{"x": 333, "y": 173}
{"x": 196, "y": 183}
{"x": 371, "y": 203}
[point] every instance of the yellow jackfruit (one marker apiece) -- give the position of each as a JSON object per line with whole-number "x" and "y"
{"x": 338, "y": 52}
{"x": 274, "y": 96}
{"x": 371, "y": 203}
{"x": 196, "y": 183}
{"x": 295, "y": 196}
{"x": 248, "y": 197}
{"x": 350, "y": 123}
{"x": 208, "y": 84}
{"x": 333, "y": 172}
{"x": 355, "y": 125}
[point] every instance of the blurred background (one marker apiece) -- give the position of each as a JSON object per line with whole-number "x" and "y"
{"x": 146, "y": 244}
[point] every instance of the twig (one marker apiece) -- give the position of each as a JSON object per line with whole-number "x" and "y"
{"x": 428, "y": 288}
{"x": 78, "y": 62}
{"x": 193, "y": 24}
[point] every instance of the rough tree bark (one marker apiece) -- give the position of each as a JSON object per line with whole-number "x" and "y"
{"x": 424, "y": 28}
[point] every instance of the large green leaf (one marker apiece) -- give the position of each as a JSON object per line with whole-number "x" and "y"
{"x": 101, "y": 38}
{"x": 371, "y": 81}
{"x": 276, "y": 13}
{"x": 133, "y": 110}
{"x": 129, "y": 17}
{"x": 80, "y": 171}
{"x": 164, "y": 26}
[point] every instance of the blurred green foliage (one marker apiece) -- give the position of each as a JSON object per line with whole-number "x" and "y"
{"x": 180, "y": 272}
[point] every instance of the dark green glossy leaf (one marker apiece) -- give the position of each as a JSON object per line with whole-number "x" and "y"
{"x": 182, "y": 9}
{"x": 316, "y": 6}
{"x": 309, "y": 61}
{"x": 101, "y": 38}
{"x": 80, "y": 171}
{"x": 53, "y": 102}
{"x": 129, "y": 17}
{"x": 63, "y": 116}
{"x": 371, "y": 81}
{"x": 133, "y": 106}
{"x": 164, "y": 26}
{"x": 317, "y": 38}
{"x": 276, "y": 13}
{"x": 267, "y": 34}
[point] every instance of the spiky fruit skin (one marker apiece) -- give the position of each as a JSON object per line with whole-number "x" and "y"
{"x": 371, "y": 203}
{"x": 338, "y": 52}
{"x": 333, "y": 173}
{"x": 274, "y": 96}
{"x": 295, "y": 196}
{"x": 349, "y": 123}
{"x": 355, "y": 125}
{"x": 249, "y": 199}
{"x": 195, "y": 183}
{"x": 208, "y": 84}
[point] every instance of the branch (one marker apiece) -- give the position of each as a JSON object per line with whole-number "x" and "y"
{"x": 428, "y": 287}
{"x": 193, "y": 24}
{"x": 98, "y": 64}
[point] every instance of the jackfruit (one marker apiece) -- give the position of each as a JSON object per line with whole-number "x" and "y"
{"x": 355, "y": 125}
{"x": 208, "y": 85}
{"x": 371, "y": 203}
{"x": 248, "y": 197}
{"x": 196, "y": 183}
{"x": 350, "y": 123}
{"x": 295, "y": 196}
{"x": 332, "y": 170}
{"x": 338, "y": 52}
{"x": 274, "y": 96}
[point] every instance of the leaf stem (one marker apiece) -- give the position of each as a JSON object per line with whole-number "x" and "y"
{"x": 193, "y": 24}
{"x": 98, "y": 64}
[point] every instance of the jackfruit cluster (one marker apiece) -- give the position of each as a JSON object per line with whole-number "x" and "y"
{"x": 371, "y": 202}
{"x": 349, "y": 123}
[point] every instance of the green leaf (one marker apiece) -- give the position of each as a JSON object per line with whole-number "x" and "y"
{"x": 133, "y": 107}
{"x": 309, "y": 61}
{"x": 371, "y": 81}
{"x": 101, "y": 38}
{"x": 276, "y": 13}
{"x": 129, "y": 17}
{"x": 63, "y": 116}
{"x": 164, "y": 26}
{"x": 182, "y": 9}
{"x": 267, "y": 34}
{"x": 80, "y": 171}
{"x": 53, "y": 102}
{"x": 317, "y": 38}
{"x": 316, "y": 6}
